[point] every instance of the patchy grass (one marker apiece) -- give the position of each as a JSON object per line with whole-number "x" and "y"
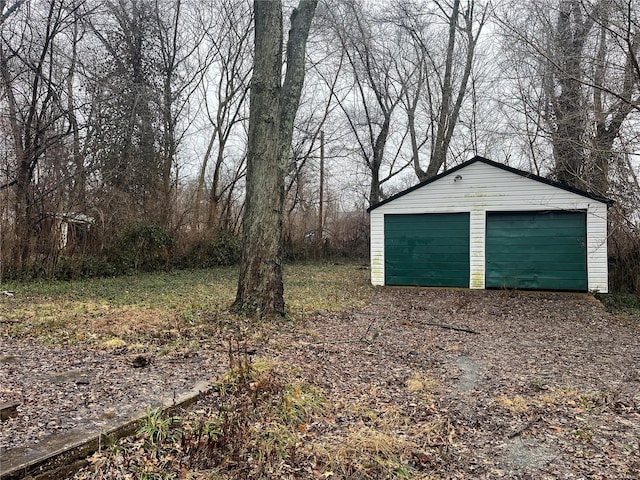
{"x": 311, "y": 288}
{"x": 387, "y": 443}
{"x": 420, "y": 383}
{"x": 371, "y": 453}
{"x": 171, "y": 309}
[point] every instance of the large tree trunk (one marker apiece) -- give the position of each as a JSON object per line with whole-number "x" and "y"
{"x": 272, "y": 112}
{"x": 260, "y": 288}
{"x": 568, "y": 138}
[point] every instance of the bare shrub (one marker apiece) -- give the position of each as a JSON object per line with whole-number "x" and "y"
{"x": 624, "y": 252}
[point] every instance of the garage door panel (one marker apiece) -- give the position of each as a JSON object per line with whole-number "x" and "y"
{"x": 534, "y": 282}
{"x": 520, "y": 260}
{"x": 432, "y": 218}
{"x": 456, "y": 272}
{"x": 514, "y": 245}
{"x": 534, "y": 272}
{"x": 536, "y": 250}
{"x": 429, "y": 268}
{"x": 427, "y": 249}
{"x": 423, "y": 261}
{"x": 429, "y": 278}
{"x": 436, "y": 235}
{"x": 435, "y": 241}
{"x": 537, "y": 232}
{"x": 426, "y": 252}
{"x": 425, "y": 281}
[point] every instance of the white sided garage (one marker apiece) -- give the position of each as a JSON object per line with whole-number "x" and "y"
{"x": 486, "y": 225}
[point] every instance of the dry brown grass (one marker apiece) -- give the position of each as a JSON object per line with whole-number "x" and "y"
{"x": 162, "y": 308}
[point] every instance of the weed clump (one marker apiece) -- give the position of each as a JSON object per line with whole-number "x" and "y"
{"x": 621, "y": 302}
{"x": 250, "y": 426}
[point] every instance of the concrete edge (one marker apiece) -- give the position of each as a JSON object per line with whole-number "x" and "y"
{"x": 75, "y": 446}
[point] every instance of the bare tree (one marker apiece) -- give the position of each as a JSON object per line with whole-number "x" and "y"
{"x": 440, "y": 76}
{"x": 127, "y": 91}
{"x": 371, "y": 55}
{"x": 79, "y": 182}
{"x": 33, "y": 86}
{"x": 616, "y": 31}
{"x": 318, "y": 114}
{"x": 142, "y": 85}
{"x": 274, "y": 104}
{"x": 7, "y": 10}
{"x": 181, "y": 74}
{"x": 589, "y": 82}
{"x": 225, "y": 98}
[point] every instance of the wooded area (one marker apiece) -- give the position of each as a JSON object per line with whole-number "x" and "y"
{"x": 125, "y": 123}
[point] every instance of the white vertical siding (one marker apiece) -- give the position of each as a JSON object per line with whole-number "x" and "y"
{"x": 377, "y": 247}
{"x": 479, "y": 188}
{"x": 597, "y": 267}
{"x": 477, "y": 230}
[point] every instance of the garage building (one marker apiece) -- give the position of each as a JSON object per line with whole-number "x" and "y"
{"x": 486, "y": 225}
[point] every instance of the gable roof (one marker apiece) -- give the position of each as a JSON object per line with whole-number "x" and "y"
{"x": 501, "y": 166}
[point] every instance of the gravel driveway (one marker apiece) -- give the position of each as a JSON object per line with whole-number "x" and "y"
{"x": 547, "y": 386}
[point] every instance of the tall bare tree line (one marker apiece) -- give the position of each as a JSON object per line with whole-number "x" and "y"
{"x": 98, "y": 99}
{"x": 119, "y": 112}
{"x": 581, "y": 85}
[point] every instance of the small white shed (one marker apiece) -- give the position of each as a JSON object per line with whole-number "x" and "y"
{"x": 486, "y": 225}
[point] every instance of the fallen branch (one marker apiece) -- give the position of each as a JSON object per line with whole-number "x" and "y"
{"x": 363, "y": 338}
{"x": 526, "y": 427}
{"x": 335, "y": 342}
{"x": 451, "y": 327}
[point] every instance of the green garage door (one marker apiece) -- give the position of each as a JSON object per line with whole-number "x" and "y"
{"x": 427, "y": 249}
{"x": 542, "y": 250}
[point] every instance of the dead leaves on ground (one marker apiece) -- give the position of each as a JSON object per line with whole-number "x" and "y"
{"x": 547, "y": 389}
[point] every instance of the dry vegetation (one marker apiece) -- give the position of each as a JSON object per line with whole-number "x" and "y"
{"x": 358, "y": 383}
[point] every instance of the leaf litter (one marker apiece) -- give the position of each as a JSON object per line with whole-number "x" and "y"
{"x": 547, "y": 386}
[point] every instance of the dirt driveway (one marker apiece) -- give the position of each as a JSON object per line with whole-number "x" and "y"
{"x": 421, "y": 383}
{"x": 546, "y": 386}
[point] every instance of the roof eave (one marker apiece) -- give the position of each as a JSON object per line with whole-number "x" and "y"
{"x": 507, "y": 168}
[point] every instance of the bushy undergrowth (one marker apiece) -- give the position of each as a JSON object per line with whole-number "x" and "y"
{"x": 222, "y": 250}
{"x": 624, "y": 251}
{"x": 621, "y": 302}
{"x": 140, "y": 249}
{"x": 147, "y": 247}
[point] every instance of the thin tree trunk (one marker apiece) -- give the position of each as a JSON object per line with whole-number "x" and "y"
{"x": 78, "y": 197}
{"x": 319, "y": 232}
